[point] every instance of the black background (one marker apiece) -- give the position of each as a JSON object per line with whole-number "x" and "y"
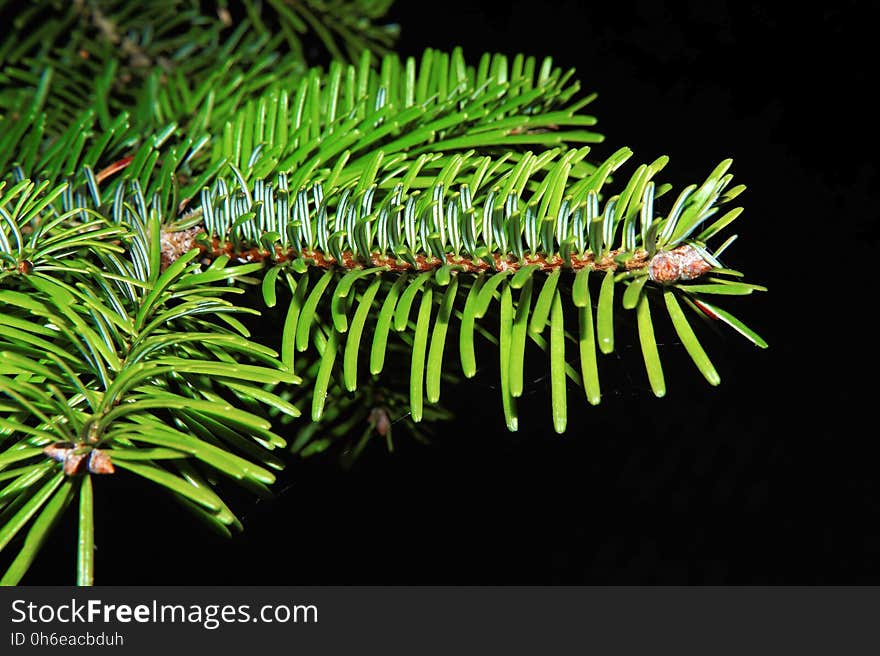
{"x": 769, "y": 478}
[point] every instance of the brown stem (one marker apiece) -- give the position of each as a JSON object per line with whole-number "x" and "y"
{"x": 682, "y": 263}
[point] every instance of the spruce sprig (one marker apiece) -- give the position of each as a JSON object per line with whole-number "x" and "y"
{"x": 402, "y": 215}
{"x": 129, "y": 367}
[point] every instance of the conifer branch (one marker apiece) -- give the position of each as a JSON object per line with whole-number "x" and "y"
{"x": 156, "y": 161}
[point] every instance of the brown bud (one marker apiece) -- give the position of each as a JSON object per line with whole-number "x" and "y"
{"x": 58, "y": 451}
{"x": 99, "y": 462}
{"x": 175, "y": 244}
{"x": 380, "y": 420}
{"x": 73, "y": 462}
{"x": 682, "y": 263}
{"x": 77, "y": 456}
{"x": 664, "y": 267}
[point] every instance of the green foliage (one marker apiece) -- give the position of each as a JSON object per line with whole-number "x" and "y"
{"x": 167, "y": 61}
{"x": 396, "y": 216}
{"x": 378, "y": 231}
{"x": 134, "y": 363}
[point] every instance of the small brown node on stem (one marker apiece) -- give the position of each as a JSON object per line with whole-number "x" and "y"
{"x": 100, "y": 463}
{"x": 682, "y": 263}
{"x": 79, "y": 458}
{"x": 176, "y": 243}
{"x": 380, "y": 421}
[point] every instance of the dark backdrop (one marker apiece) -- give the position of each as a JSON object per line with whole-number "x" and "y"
{"x": 769, "y": 478}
